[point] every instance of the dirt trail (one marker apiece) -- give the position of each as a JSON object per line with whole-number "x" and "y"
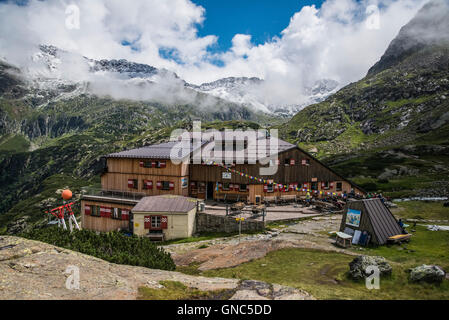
{"x": 228, "y": 252}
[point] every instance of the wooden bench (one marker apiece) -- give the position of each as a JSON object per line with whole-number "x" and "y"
{"x": 159, "y": 236}
{"x": 231, "y": 197}
{"x": 324, "y": 206}
{"x": 270, "y": 199}
{"x": 289, "y": 198}
{"x": 343, "y": 240}
{"x": 220, "y": 196}
{"x": 258, "y": 209}
{"x": 399, "y": 238}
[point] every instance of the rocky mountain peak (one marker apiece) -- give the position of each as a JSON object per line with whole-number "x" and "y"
{"x": 429, "y": 27}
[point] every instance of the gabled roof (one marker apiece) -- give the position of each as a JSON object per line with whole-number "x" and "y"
{"x": 382, "y": 220}
{"x": 166, "y": 203}
{"x": 163, "y": 151}
{"x": 157, "y": 151}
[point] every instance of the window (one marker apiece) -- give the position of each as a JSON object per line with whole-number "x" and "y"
{"x": 339, "y": 186}
{"x": 270, "y": 187}
{"x": 202, "y": 187}
{"x": 155, "y": 222}
{"x": 95, "y": 211}
{"x": 305, "y": 162}
{"x": 147, "y": 184}
{"x": 161, "y": 164}
{"x": 314, "y": 185}
{"x": 242, "y": 188}
{"x": 117, "y": 213}
{"x": 147, "y": 164}
{"x": 165, "y": 185}
{"x": 325, "y": 185}
{"x": 193, "y": 187}
{"x": 287, "y": 162}
{"x": 133, "y": 184}
{"x": 226, "y": 186}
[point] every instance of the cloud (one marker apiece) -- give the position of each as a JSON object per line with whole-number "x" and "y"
{"x": 333, "y": 42}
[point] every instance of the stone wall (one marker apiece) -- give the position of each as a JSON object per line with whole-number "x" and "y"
{"x": 214, "y": 223}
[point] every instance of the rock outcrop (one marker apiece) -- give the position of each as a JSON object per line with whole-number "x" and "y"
{"x": 426, "y": 273}
{"x": 358, "y": 267}
{"x": 35, "y": 270}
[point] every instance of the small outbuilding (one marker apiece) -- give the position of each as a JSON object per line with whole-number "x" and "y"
{"x": 165, "y": 217}
{"x": 369, "y": 221}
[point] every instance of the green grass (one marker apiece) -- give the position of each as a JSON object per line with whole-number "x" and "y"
{"x": 431, "y": 210}
{"x": 175, "y": 290}
{"x": 14, "y": 143}
{"x": 324, "y": 274}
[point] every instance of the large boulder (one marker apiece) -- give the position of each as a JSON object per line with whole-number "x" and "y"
{"x": 426, "y": 273}
{"x": 357, "y": 267}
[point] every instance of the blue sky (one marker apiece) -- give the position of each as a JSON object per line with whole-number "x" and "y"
{"x": 205, "y": 40}
{"x": 262, "y": 19}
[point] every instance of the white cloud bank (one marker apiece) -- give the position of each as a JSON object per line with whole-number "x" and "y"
{"x": 334, "y": 41}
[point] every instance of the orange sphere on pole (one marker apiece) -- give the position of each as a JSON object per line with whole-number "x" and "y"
{"x": 67, "y": 194}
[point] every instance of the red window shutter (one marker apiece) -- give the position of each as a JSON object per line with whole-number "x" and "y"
{"x": 265, "y": 188}
{"x": 130, "y": 183}
{"x": 164, "y": 222}
{"x": 236, "y": 187}
{"x": 331, "y": 184}
{"x": 303, "y": 162}
{"x": 220, "y": 186}
{"x": 153, "y": 164}
{"x": 247, "y": 187}
{"x": 147, "y": 222}
{"x": 276, "y": 187}
{"x": 172, "y": 186}
{"x": 163, "y": 164}
{"x": 292, "y": 162}
{"x": 323, "y": 185}
{"x": 148, "y": 184}
{"x": 305, "y": 185}
{"x": 292, "y": 187}
{"x": 125, "y": 214}
{"x": 159, "y": 185}
{"x": 102, "y": 211}
{"x": 87, "y": 210}
{"x": 107, "y": 212}
{"x": 141, "y": 164}
{"x": 231, "y": 186}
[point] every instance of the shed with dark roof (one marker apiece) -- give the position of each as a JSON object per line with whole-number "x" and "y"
{"x": 165, "y": 217}
{"x": 372, "y": 216}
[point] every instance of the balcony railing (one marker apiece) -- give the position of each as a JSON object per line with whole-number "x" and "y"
{"x": 116, "y": 194}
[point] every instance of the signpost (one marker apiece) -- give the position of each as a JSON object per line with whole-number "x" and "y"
{"x": 239, "y": 220}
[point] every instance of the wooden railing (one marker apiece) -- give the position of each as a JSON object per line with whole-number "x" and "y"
{"x": 116, "y": 194}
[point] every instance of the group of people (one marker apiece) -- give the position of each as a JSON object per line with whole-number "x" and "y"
{"x": 376, "y": 195}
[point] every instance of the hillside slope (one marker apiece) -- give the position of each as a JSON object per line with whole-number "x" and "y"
{"x": 53, "y": 136}
{"x": 394, "y": 123}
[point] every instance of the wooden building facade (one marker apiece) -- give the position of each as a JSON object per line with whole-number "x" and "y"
{"x": 149, "y": 171}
